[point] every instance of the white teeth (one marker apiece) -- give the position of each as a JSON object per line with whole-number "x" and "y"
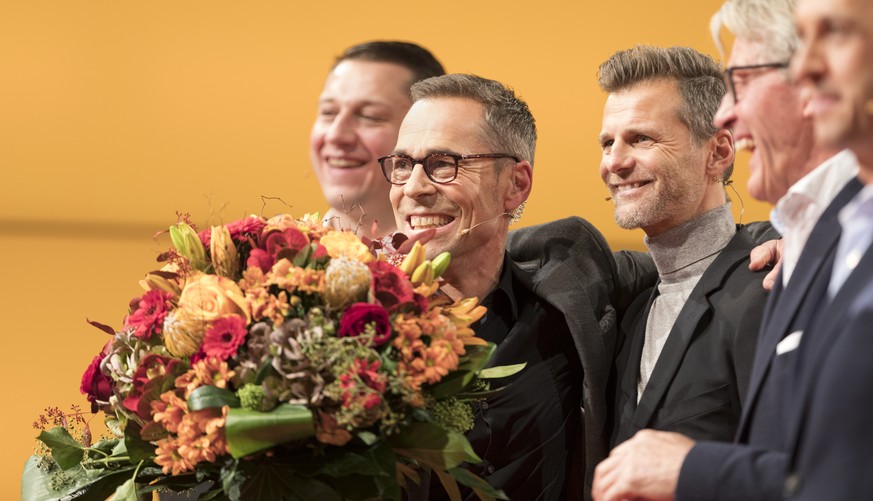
{"x": 630, "y": 186}
{"x": 425, "y": 222}
{"x": 343, "y": 163}
{"x": 745, "y": 144}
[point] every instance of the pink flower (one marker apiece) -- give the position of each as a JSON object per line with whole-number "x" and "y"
{"x": 224, "y": 337}
{"x": 95, "y": 384}
{"x": 239, "y": 230}
{"x": 148, "y": 313}
{"x": 275, "y": 246}
{"x": 390, "y": 285}
{"x": 359, "y": 315}
{"x": 285, "y": 243}
{"x": 259, "y": 258}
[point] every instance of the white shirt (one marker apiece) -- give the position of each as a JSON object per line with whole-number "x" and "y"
{"x": 856, "y": 219}
{"x": 796, "y": 213}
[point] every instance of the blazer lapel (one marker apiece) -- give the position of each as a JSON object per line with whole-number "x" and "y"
{"x": 686, "y": 324}
{"x": 632, "y": 373}
{"x": 784, "y": 304}
{"x": 827, "y": 328}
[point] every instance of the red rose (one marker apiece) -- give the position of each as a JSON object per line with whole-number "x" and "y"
{"x": 390, "y": 285}
{"x": 95, "y": 384}
{"x": 359, "y": 315}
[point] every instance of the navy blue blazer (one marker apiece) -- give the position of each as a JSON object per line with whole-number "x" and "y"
{"x": 756, "y": 465}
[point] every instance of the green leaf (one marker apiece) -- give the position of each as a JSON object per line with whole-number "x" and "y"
{"x": 501, "y": 371}
{"x": 66, "y": 451}
{"x": 483, "y": 489}
{"x": 377, "y": 462}
{"x": 368, "y": 437}
{"x": 138, "y": 449}
{"x": 83, "y": 485}
{"x": 476, "y": 358}
{"x": 480, "y": 394}
{"x": 125, "y": 492}
{"x": 275, "y": 481}
{"x": 250, "y": 431}
{"x": 210, "y": 397}
{"x": 434, "y": 446}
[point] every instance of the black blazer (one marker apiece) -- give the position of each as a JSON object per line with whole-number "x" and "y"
{"x": 569, "y": 264}
{"x": 703, "y": 370}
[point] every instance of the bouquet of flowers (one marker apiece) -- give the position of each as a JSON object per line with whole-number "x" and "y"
{"x": 278, "y": 359}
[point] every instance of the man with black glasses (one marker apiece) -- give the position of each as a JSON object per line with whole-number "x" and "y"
{"x": 463, "y": 167}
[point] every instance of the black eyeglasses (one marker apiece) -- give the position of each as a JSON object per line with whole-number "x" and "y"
{"x": 439, "y": 167}
{"x": 730, "y": 78}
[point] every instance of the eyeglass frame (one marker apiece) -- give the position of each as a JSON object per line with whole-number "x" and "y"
{"x": 423, "y": 162}
{"x": 729, "y": 74}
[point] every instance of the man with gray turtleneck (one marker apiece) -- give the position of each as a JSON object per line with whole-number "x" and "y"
{"x": 687, "y": 345}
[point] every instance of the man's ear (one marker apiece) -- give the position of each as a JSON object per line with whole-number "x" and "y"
{"x": 721, "y": 155}
{"x": 520, "y": 182}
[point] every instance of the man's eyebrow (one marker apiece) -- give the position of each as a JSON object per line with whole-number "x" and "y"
{"x": 428, "y": 152}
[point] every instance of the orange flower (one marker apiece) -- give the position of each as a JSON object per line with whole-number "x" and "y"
{"x": 346, "y": 244}
{"x": 169, "y": 411}
{"x": 207, "y": 372}
{"x": 291, "y": 278}
{"x": 168, "y": 457}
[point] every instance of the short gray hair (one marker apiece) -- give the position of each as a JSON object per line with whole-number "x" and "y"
{"x": 509, "y": 127}
{"x": 700, "y": 80}
{"x": 699, "y": 77}
{"x": 768, "y": 21}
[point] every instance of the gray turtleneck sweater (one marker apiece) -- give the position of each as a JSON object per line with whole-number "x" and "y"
{"x": 681, "y": 255}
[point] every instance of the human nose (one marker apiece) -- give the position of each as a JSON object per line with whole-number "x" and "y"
{"x": 619, "y": 157}
{"x": 726, "y": 115}
{"x": 806, "y": 63}
{"x": 418, "y": 183}
{"x": 342, "y": 130}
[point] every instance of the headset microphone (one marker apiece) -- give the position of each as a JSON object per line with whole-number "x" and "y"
{"x": 467, "y": 230}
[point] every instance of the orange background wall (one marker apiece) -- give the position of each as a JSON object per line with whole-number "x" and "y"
{"x": 116, "y": 114}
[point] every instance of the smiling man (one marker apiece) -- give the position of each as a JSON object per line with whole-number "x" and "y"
{"x": 771, "y": 118}
{"x": 463, "y": 166}
{"x": 365, "y": 98}
{"x": 689, "y": 343}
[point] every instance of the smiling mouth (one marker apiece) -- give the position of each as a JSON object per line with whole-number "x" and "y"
{"x": 746, "y": 143}
{"x": 343, "y": 163}
{"x": 619, "y": 188}
{"x": 427, "y": 222}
